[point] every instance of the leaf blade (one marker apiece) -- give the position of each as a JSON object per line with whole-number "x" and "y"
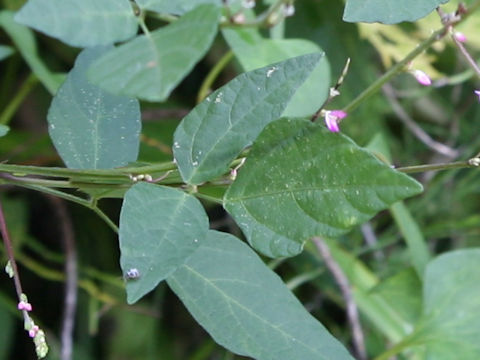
{"x": 83, "y": 23}
{"x": 90, "y": 128}
{"x": 451, "y": 308}
{"x": 388, "y": 11}
{"x": 254, "y": 52}
{"x": 182, "y": 6}
{"x": 258, "y": 316}
{"x": 150, "y": 66}
{"x": 300, "y": 180}
{"x": 160, "y": 227}
{"x": 24, "y": 40}
{"x": 227, "y": 121}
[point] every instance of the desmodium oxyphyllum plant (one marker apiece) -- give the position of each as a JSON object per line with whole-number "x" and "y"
{"x": 210, "y": 138}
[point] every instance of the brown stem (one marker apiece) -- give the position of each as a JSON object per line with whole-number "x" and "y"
{"x": 11, "y": 256}
{"x": 343, "y": 284}
{"x": 416, "y": 130}
{"x": 71, "y": 276}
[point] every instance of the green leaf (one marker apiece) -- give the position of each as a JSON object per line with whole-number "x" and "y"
{"x": 227, "y": 121}
{"x": 417, "y": 245}
{"x": 24, "y": 40}
{"x": 151, "y": 66}
{"x": 182, "y": 6}
{"x": 81, "y": 23}
{"x": 388, "y": 11}
{"x": 90, "y": 128}
{"x": 450, "y": 327}
{"x": 160, "y": 227}
{"x": 253, "y": 52}
{"x": 5, "y": 51}
{"x": 246, "y": 307}
{"x": 300, "y": 180}
{"x": 403, "y": 293}
{"x": 4, "y": 129}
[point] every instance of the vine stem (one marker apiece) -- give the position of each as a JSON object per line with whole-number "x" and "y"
{"x": 345, "y": 287}
{"x": 28, "y": 85}
{"x": 212, "y": 75}
{"x": 78, "y": 200}
{"x": 467, "y": 55}
{"x": 472, "y": 163}
{"x": 11, "y": 256}
{"x": 397, "y": 348}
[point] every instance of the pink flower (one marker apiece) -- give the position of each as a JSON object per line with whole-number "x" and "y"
{"x": 422, "y": 78}
{"x": 332, "y": 118}
{"x": 33, "y": 331}
{"x": 477, "y": 92}
{"x": 23, "y": 305}
{"x": 460, "y": 36}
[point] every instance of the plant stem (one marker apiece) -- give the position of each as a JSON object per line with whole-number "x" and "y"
{"x": 473, "y": 64}
{"x": 212, "y": 75}
{"x": 396, "y": 349}
{"x": 11, "y": 256}
{"x": 15, "y": 103}
{"x": 120, "y": 174}
{"x": 437, "y": 167}
{"x": 72, "y": 198}
{"x": 105, "y": 218}
{"x": 394, "y": 70}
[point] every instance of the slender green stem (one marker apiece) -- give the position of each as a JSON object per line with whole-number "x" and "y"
{"x": 141, "y": 21}
{"x": 295, "y": 282}
{"x": 209, "y": 198}
{"x": 264, "y": 19}
{"x": 437, "y": 167}
{"x": 105, "y": 218}
{"x": 212, "y": 76}
{"x": 396, "y": 349}
{"x": 473, "y": 64}
{"x": 164, "y": 17}
{"x": 394, "y": 70}
{"x": 120, "y": 174}
{"x": 14, "y": 104}
{"x": 72, "y": 198}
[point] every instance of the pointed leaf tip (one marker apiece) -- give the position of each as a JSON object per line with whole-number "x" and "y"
{"x": 229, "y": 119}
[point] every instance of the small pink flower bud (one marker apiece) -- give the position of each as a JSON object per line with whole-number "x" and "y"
{"x": 23, "y": 305}
{"x": 422, "y": 78}
{"x": 33, "y": 331}
{"x": 477, "y": 92}
{"x": 332, "y": 118}
{"x": 460, "y": 36}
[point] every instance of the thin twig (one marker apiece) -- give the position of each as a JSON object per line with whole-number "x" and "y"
{"x": 163, "y": 114}
{"x": 343, "y": 284}
{"x": 416, "y": 130}
{"x": 473, "y": 64}
{"x": 371, "y": 240}
{"x": 71, "y": 276}
{"x": 11, "y": 256}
